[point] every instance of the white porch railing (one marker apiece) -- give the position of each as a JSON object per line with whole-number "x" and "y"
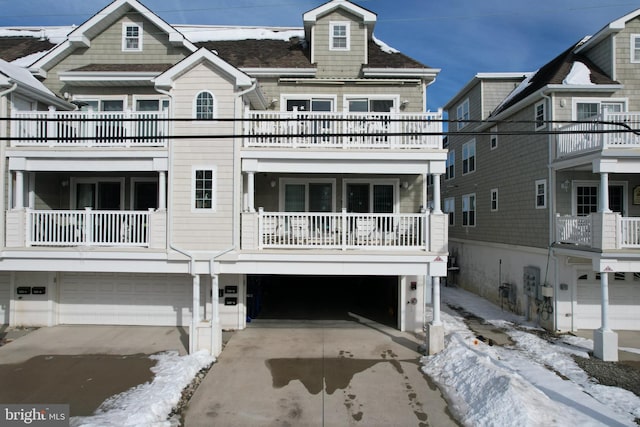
{"x": 576, "y": 230}
{"x": 608, "y": 130}
{"x": 343, "y": 130}
{"x": 89, "y": 128}
{"x": 629, "y": 232}
{"x": 342, "y": 230}
{"x": 87, "y": 227}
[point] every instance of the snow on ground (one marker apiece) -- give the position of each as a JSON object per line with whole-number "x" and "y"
{"x": 149, "y": 404}
{"x": 534, "y": 383}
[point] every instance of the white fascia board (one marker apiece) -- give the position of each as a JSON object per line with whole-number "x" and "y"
{"x": 107, "y": 76}
{"x": 53, "y": 56}
{"x": 82, "y": 165}
{"x": 79, "y": 40}
{"x": 277, "y": 72}
{"x": 401, "y": 72}
{"x": 367, "y": 16}
{"x": 612, "y": 28}
{"x": 585, "y": 88}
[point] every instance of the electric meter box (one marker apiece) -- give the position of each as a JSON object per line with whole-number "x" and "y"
{"x": 531, "y": 281}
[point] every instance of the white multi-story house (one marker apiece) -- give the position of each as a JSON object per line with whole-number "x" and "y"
{"x": 543, "y": 187}
{"x": 209, "y": 173}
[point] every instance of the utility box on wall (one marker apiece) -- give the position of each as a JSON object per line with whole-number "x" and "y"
{"x": 531, "y": 281}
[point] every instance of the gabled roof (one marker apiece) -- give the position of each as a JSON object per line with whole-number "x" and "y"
{"x": 82, "y": 35}
{"x": 611, "y": 28}
{"x": 367, "y": 16}
{"x": 166, "y": 79}
{"x": 554, "y": 75}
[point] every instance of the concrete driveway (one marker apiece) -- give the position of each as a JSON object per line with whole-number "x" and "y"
{"x": 318, "y": 373}
{"x": 81, "y": 365}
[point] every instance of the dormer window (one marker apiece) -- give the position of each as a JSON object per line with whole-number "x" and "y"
{"x": 339, "y": 34}
{"x": 131, "y": 37}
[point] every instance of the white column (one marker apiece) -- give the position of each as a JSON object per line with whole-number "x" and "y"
{"x": 437, "y": 209}
{"x": 424, "y": 192}
{"x": 603, "y": 204}
{"x": 162, "y": 190}
{"x": 19, "y": 204}
{"x": 436, "y": 302}
{"x": 251, "y": 185}
{"x": 604, "y": 301}
{"x": 216, "y": 330}
{"x": 195, "y": 315}
{"x": 31, "y": 179}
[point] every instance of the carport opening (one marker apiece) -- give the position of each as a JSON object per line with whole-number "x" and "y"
{"x": 323, "y": 297}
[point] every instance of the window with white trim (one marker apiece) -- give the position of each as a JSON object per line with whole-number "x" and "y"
{"x": 131, "y": 37}
{"x": 469, "y": 210}
{"x": 450, "y": 209}
{"x": 462, "y": 113}
{"x": 635, "y": 48}
{"x": 204, "y": 107}
{"x": 493, "y": 138}
{"x": 540, "y": 115}
{"x": 339, "y": 36}
{"x": 450, "y": 171}
{"x": 204, "y": 189}
{"x": 541, "y": 194}
{"x": 494, "y": 199}
{"x": 588, "y": 109}
{"x": 469, "y": 157}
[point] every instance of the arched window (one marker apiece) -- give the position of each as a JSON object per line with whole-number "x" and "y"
{"x": 204, "y": 108}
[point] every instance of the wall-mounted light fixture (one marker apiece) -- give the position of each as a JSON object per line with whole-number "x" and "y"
{"x": 273, "y": 183}
{"x": 565, "y": 185}
{"x": 405, "y": 185}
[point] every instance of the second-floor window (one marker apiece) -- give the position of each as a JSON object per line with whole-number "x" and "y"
{"x": 450, "y": 209}
{"x": 469, "y": 210}
{"x": 635, "y": 47}
{"x": 450, "y": 172}
{"x": 462, "y": 113}
{"x": 131, "y": 37}
{"x": 469, "y": 157}
{"x": 203, "y": 189}
{"x": 309, "y": 104}
{"x": 494, "y": 199}
{"x": 339, "y": 36}
{"x": 204, "y": 107}
{"x": 541, "y": 194}
{"x": 588, "y": 109}
{"x": 540, "y": 115}
{"x": 493, "y": 138}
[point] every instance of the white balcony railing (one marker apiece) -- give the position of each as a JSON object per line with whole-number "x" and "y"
{"x": 342, "y": 230}
{"x": 575, "y": 230}
{"x": 629, "y": 232}
{"x": 87, "y": 228}
{"x": 608, "y": 130}
{"x": 89, "y": 129}
{"x": 343, "y": 130}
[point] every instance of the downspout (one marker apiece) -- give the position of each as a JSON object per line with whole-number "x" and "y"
{"x": 4, "y": 113}
{"x": 552, "y": 206}
{"x": 195, "y": 310}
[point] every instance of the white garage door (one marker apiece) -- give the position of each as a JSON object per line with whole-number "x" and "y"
{"x": 624, "y": 301}
{"x": 125, "y": 299}
{"x": 4, "y": 297}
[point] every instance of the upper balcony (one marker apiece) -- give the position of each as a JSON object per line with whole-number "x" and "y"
{"x": 603, "y": 132}
{"x": 334, "y": 130}
{"x": 600, "y": 231}
{"x": 89, "y": 129}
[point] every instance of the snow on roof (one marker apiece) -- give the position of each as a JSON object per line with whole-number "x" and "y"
{"x": 579, "y": 75}
{"x": 200, "y": 33}
{"x": 53, "y": 34}
{"x": 22, "y": 75}
{"x": 26, "y": 61}
{"x": 385, "y": 47}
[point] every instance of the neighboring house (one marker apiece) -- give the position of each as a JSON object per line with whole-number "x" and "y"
{"x": 543, "y": 187}
{"x": 295, "y": 155}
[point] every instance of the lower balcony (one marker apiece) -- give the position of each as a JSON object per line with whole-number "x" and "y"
{"x": 68, "y": 228}
{"x": 599, "y": 231}
{"x": 344, "y": 231}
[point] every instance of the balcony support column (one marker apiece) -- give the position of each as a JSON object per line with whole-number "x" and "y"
{"x": 603, "y": 203}
{"x": 251, "y": 185}
{"x": 162, "y": 190}
{"x": 19, "y": 201}
{"x": 437, "y": 208}
{"x": 605, "y": 341}
{"x": 435, "y": 329}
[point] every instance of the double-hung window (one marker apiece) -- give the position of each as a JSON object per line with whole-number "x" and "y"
{"x": 469, "y": 157}
{"x": 204, "y": 189}
{"x": 450, "y": 172}
{"x": 462, "y": 113}
{"x": 494, "y": 200}
{"x": 450, "y": 209}
{"x": 339, "y": 36}
{"x": 131, "y": 37}
{"x": 540, "y": 115}
{"x": 493, "y": 138}
{"x": 469, "y": 210}
{"x": 635, "y": 47}
{"x": 541, "y": 194}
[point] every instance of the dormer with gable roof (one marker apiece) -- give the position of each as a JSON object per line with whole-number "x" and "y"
{"x": 339, "y": 33}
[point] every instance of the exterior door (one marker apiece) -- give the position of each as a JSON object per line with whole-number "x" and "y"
{"x": 587, "y": 199}
{"x": 105, "y": 195}
{"x": 145, "y": 195}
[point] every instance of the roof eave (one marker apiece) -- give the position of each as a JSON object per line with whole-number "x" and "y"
{"x": 423, "y": 73}
{"x": 479, "y": 78}
{"x": 612, "y": 28}
{"x": 279, "y": 72}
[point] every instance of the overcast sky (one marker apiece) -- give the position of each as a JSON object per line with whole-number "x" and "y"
{"x": 461, "y": 37}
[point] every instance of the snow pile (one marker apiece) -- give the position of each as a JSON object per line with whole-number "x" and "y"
{"x": 149, "y": 404}
{"x": 197, "y": 34}
{"x": 534, "y": 383}
{"x": 385, "y": 47}
{"x": 579, "y": 75}
{"x": 22, "y": 75}
{"x": 54, "y": 34}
